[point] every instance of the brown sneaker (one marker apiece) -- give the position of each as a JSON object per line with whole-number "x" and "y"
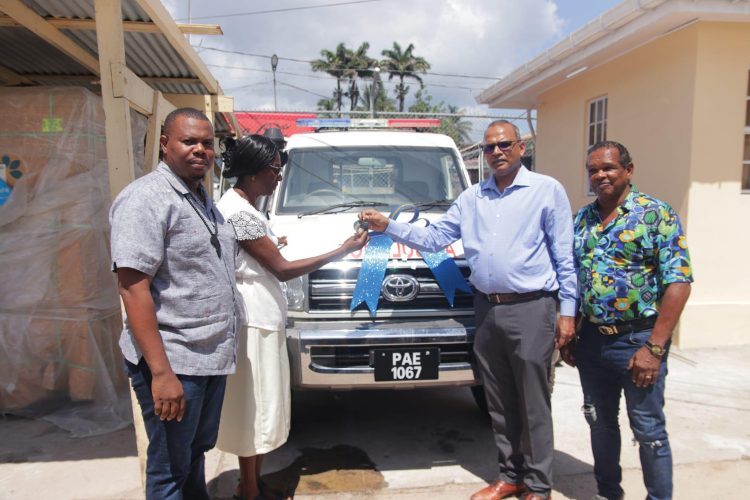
{"x": 498, "y": 490}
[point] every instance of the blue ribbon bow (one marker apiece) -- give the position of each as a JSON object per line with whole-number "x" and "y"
{"x": 375, "y": 261}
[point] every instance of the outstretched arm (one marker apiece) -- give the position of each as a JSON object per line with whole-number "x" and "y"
{"x": 267, "y": 253}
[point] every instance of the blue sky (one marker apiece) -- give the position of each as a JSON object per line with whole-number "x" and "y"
{"x": 467, "y": 42}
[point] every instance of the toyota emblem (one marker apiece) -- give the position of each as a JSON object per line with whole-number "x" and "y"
{"x": 400, "y": 288}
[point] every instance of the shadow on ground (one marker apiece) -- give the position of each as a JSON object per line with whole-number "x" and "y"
{"x": 28, "y": 440}
{"x": 359, "y": 441}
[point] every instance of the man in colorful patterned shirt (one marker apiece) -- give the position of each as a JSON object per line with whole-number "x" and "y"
{"x": 634, "y": 278}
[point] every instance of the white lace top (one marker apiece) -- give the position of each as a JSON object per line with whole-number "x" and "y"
{"x": 262, "y": 293}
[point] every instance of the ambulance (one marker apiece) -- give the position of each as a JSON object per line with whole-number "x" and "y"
{"x": 415, "y": 337}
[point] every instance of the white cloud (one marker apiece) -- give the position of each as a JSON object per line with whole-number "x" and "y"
{"x": 467, "y": 37}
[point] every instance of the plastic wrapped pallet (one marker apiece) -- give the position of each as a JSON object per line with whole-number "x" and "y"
{"x": 60, "y": 315}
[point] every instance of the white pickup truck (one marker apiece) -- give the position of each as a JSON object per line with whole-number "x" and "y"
{"x": 415, "y": 338}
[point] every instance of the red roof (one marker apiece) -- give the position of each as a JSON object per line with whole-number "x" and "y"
{"x": 256, "y": 123}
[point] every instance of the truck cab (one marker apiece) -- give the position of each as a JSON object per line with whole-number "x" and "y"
{"x": 328, "y": 179}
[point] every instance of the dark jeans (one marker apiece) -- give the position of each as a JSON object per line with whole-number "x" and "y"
{"x": 175, "y": 458}
{"x": 602, "y": 365}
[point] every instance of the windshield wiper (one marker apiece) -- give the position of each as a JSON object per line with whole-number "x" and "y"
{"x": 434, "y": 203}
{"x": 342, "y": 207}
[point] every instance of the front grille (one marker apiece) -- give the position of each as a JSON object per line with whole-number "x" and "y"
{"x": 358, "y": 356}
{"x": 331, "y": 289}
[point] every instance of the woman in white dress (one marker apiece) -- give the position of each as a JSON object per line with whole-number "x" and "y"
{"x": 256, "y": 413}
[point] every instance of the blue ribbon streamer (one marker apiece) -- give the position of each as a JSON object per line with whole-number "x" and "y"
{"x": 375, "y": 261}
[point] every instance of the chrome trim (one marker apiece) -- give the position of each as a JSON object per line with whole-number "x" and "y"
{"x": 442, "y": 332}
{"x": 399, "y": 288}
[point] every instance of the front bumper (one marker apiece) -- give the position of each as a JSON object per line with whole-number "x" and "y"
{"x": 336, "y": 354}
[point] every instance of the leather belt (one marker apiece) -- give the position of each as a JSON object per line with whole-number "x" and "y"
{"x": 509, "y": 298}
{"x": 635, "y": 325}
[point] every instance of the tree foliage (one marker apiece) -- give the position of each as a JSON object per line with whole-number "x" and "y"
{"x": 453, "y": 126}
{"x": 345, "y": 64}
{"x": 403, "y": 64}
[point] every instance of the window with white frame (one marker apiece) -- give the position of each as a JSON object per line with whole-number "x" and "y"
{"x": 746, "y": 150}
{"x": 597, "y": 123}
{"x": 596, "y": 127}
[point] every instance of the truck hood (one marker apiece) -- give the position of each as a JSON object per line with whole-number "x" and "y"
{"x": 316, "y": 234}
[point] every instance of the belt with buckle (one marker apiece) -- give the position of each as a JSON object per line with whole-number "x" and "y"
{"x": 635, "y": 325}
{"x": 509, "y": 298}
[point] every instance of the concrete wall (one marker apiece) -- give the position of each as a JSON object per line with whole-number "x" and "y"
{"x": 677, "y": 103}
{"x": 719, "y": 309}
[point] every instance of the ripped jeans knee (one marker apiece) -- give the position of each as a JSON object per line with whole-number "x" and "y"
{"x": 589, "y": 412}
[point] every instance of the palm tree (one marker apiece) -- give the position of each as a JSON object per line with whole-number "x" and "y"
{"x": 403, "y": 64}
{"x": 358, "y": 65}
{"x": 326, "y": 104}
{"x": 382, "y": 101}
{"x": 333, "y": 63}
{"x": 455, "y": 126}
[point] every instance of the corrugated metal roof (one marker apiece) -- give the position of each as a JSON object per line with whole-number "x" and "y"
{"x": 148, "y": 55}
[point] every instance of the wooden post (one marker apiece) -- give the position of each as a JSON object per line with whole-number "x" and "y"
{"x": 109, "y": 34}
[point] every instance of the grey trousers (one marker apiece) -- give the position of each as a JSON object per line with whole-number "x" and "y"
{"x": 513, "y": 347}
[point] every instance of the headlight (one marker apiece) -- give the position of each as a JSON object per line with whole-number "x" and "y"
{"x": 295, "y": 294}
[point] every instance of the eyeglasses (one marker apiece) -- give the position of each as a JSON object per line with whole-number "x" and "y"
{"x": 276, "y": 169}
{"x": 503, "y": 145}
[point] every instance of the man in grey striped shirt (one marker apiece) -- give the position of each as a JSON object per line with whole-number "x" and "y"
{"x": 174, "y": 254}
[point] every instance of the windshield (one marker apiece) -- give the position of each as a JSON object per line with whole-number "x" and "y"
{"x": 387, "y": 177}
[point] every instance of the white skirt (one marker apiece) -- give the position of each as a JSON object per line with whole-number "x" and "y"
{"x": 256, "y": 414}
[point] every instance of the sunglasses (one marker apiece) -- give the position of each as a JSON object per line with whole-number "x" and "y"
{"x": 503, "y": 145}
{"x": 276, "y": 169}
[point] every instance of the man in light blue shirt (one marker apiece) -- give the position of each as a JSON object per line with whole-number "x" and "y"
{"x": 517, "y": 232}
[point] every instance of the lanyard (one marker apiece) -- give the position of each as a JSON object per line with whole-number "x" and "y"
{"x": 214, "y": 239}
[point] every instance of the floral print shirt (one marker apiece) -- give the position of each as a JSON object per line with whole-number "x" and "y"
{"x": 624, "y": 268}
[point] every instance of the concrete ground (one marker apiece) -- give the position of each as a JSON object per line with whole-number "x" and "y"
{"x": 430, "y": 443}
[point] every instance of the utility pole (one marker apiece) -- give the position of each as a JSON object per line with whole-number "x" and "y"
{"x": 373, "y": 91}
{"x": 274, "y": 63}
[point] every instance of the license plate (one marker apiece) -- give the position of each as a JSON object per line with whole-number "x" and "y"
{"x": 406, "y": 364}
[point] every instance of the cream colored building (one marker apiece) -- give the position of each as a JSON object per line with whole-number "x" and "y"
{"x": 670, "y": 79}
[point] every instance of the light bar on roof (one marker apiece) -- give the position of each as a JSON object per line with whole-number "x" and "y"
{"x": 413, "y": 123}
{"x": 369, "y": 123}
{"x": 324, "y": 122}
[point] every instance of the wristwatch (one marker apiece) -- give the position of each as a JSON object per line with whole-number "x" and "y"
{"x": 654, "y": 349}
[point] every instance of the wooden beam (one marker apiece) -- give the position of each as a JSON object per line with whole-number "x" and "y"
{"x": 222, "y": 103}
{"x": 160, "y": 109}
{"x": 109, "y": 37}
{"x": 36, "y": 24}
{"x": 94, "y": 80}
{"x": 235, "y": 124}
{"x": 11, "y": 78}
{"x": 126, "y": 84}
{"x": 128, "y": 26}
{"x": 159, "y": 15}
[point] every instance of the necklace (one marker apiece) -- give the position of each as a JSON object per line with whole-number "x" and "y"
{"x": 214, "y": 239}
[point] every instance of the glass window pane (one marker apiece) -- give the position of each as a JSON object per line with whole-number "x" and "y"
{"x": 606, "y": 101}
{"x": 604, "y": 133}
{"x": 746, "y": 177}
{"x": 748, "y": 83}
{"x": 598, "y": 132}
{"x": 747, "y": 114}
{"x": 599, "y": 110}
{"x": 746, "y": 156}
{"x": 592, "y": 106}
{"x": 591, "y": 135}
